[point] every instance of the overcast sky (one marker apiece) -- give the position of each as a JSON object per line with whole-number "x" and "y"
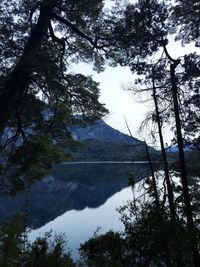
{"x": 120, "y": 102}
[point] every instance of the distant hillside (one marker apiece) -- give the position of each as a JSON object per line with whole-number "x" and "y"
{"x": 102, "y": 131}
{"x": 102, "y": 142}
{"x": 174, "y": 148}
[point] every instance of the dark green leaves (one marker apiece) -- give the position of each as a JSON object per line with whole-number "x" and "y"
{"x": 186, "y": 14}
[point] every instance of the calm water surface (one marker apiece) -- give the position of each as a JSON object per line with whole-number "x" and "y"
{"x": 76, "y": 199}
{"x": 80, "y": 225}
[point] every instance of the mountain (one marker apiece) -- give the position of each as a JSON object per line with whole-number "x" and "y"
{"x": 174, "y": 148}
{"x": 103, "y": 132}
{"x": 102, "y": 142}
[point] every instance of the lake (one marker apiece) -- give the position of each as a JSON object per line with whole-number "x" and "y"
{"x": 78, "y": 226}
{"x": 77, "y": 199}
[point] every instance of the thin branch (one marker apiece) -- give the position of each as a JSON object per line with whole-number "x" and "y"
{"x": 75, "y": 29}
{"x": 54, "y": 37}
{"x": 33, "y": 9}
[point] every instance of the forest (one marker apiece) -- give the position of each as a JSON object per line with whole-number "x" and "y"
{"x": 40, "y": 98}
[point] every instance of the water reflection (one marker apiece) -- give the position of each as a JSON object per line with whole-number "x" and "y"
{"x": 78, "y": 226}
{"x": 76, "y": 199}
{"x": 71, "y": 187}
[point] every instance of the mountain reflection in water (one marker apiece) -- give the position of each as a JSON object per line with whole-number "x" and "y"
{"x": 71, "y": 188}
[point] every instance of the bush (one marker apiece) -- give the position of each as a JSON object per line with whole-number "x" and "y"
{"x": 17, "y": 251}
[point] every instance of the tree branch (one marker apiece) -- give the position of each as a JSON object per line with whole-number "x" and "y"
{"x": 75, "y": 29}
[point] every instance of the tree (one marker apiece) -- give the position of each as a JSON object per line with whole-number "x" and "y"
{"x": 145, "y": 27}
{"x": 38, "y": 94}
{"x": 44, "y": 251}
{"x": 104, "y": 250}
{"x": 186, "y": 14}
{"x": 38, "y": 40}
{"x": 152, "y": 238}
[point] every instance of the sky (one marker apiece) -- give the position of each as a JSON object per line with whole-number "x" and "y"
{"x": 121, "y": 103}
{"x": 118, "y": 101}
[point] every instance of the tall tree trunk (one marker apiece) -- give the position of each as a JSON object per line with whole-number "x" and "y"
{"x": 18, "y": 81}
{"x": 150, "y": 166}
{"x": 165, "y": 163}
{"x": 153, "y": 177}
{"x": 184, "y": 180}
{"x": 157, "y": 202}
{"x": 167, "y": 250}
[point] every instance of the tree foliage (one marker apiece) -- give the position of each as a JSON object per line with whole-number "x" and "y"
{"x": 38, "y": 93}
{"x": 35, "y": 60}
{"x": 46, "y": 251}
{"x": 145, "y": 27}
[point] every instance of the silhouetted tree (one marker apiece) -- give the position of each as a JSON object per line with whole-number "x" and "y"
{"x": 142, "y": 29}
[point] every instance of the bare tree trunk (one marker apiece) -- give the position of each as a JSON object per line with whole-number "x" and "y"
{"x": 153, "y": 176}
{"x": 157, "y": 201}
{"x": 150, "y": 166}
{"x": 184, "y": 180}
{"x": 165, "y": 163}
